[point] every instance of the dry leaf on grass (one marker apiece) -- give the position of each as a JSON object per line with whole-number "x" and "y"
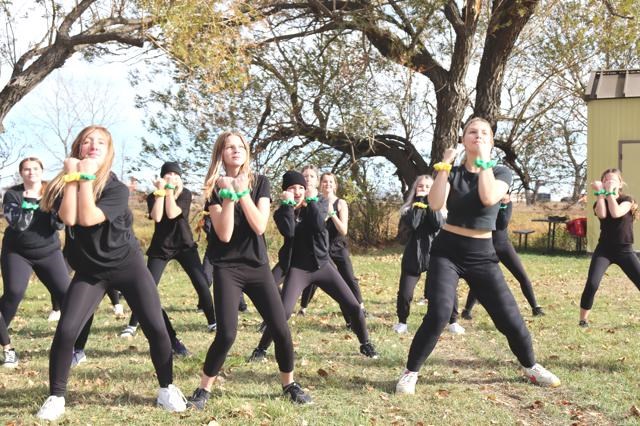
{"x": 442, "y": 393}
{"x": 323, "y": 373}
{"x": 635, "y": 411}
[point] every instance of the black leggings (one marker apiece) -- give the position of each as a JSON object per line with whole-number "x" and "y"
{"x": 510, "y": 259}
{"x": 330, "y": 281}
{"x": 623, "y": 256}
{"x": 137, "y": 286}
{"x": 16, "y": 271}
{"x": 454, "y": 257}
{"x": 342, "y": 260}
{"x": 257, "y": 283}
{"x": 207, "y": 267}
{"x": 405, "y": 296}
{"x": 190, "y": 262}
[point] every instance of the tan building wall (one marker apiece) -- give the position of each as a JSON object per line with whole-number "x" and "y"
{"x": 613, "y": 140}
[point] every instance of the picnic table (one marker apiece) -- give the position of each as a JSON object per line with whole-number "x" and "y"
{"x": 552, "y": 222}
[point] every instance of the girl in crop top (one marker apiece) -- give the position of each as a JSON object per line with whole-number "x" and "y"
{"x": 616, "y": 213}
{"x": 464, "y": 249}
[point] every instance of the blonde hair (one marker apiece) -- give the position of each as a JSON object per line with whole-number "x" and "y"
{"x": 54, "y": 189}
{"x": 412, "y": 193}
{"x": 43, "y": 184}
{"x": 216, "y": 164}
{"x": 634, "y": 205}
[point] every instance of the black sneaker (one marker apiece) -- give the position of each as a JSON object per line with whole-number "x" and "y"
{"x": 296, "y": 394}
{"x": 199, "y": 399}
{"x": 537, "y": 311}
{"x": 368, "y": 350}
{"x": 583, "y": 324}
{"x": 258, "y": 355}
{"x": 179, "y": 349}
{"x": 467, "y": 315}
{"x": 242, "y": 307}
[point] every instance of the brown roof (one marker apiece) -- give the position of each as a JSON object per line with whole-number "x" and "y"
{"x": 613, "y": 84}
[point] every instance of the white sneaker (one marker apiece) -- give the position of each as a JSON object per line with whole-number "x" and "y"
{"x": 400, "y": 328}
{"x": 212, "y": 327}
{"x": 118, "y": 310}
{"x": 78, "y": 357}
{"x": 455, "y": 328}
{"x": 538, "y": 375}
{"x": 52, "y": 409}
{"x": 421, "y": 302}
{"x": 128, "y": 332}
{"x": 10, "y": 359}
{"x": 171, "y": 399}
{"x": 53, "y": 316}
{"x": 407, "y": 383}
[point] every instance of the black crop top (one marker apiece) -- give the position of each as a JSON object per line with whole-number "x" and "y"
{"x": 615, "y": 232}
{"x": 464, "y": 206}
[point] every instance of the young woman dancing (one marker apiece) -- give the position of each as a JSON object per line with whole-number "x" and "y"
{"x": 305, "y": 255}
{"x": 464, "y": 249}
{"x": 238, "y": 202}
{"x": 509, "y": 258}
{"x": 424, "y": 223}
{"x": 337, "y": 225}
{"x": 169, "y": 207}
{"x": 616, "y": 212}
{"x": 30, "y": 244}
{"x": 104, "y": 253}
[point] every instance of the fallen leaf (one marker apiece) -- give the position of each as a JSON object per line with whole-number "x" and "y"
{"x": 323, "y": 373}
{"x": 635, "y": 411}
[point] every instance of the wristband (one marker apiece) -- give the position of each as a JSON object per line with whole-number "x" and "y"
{"x": 600, "y": 192}
{"x": 503, "y": 206}
{"x": 291, "y": 203}
{"x": 484, "y": 165}
{"x": 242, "y": 194}
{"x": 310, "y": 199}
{"x": 438, "y": 167}
{"x": 76, "y": 176}
{"x": 29, "y": 206}
{"x": 228, "y": 194}
{"x": 169, "y": 186}
{"x": 610, "y": 192}
{"x": 160, "y": 193}
{"x": 420, "y": 205}
{"x": 333, "y": 213}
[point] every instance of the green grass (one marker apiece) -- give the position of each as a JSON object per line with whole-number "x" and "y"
{"x": 469, "y": 379}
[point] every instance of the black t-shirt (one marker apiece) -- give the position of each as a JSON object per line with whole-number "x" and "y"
{"x": 95, "y": 251}
{"x": 616, "y": 232}
{"x": 245, "y": 247}
{"x": 31, "y": 232}
{"x": 464, "y": 206}
{"x": 171, "y": 236}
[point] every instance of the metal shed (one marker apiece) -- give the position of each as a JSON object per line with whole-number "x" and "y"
{"x": 613, "y": 137}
